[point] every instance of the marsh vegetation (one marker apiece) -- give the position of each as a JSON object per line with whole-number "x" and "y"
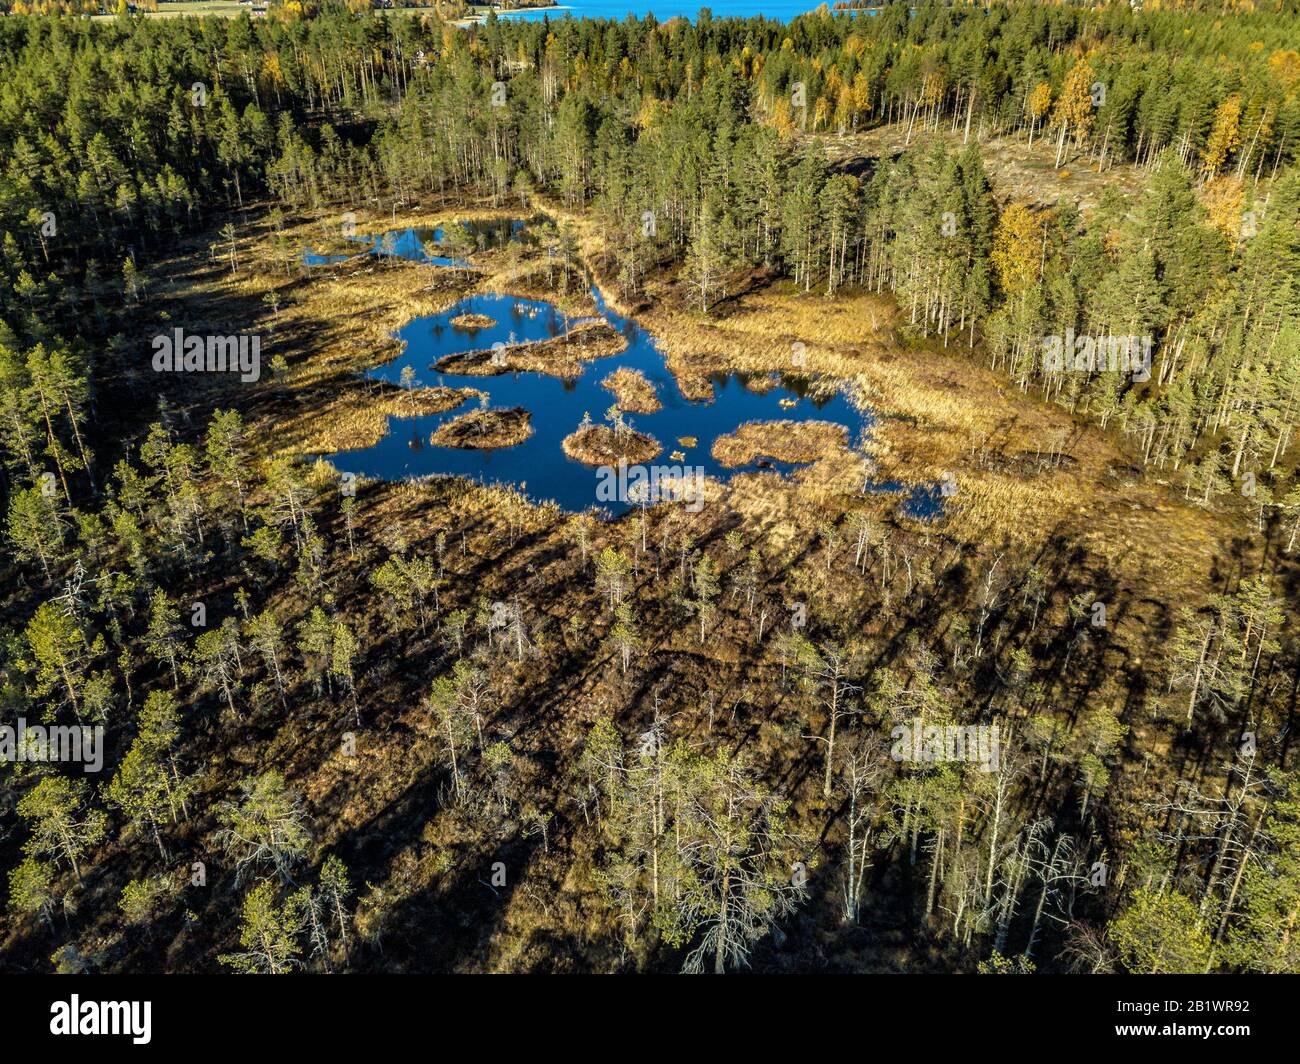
{"x": 485, "y": 429}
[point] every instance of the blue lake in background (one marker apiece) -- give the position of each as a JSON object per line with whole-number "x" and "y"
{"x": 539, "y": 465}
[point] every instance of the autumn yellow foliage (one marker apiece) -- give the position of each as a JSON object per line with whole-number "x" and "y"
{"x": 1017, "y": 247}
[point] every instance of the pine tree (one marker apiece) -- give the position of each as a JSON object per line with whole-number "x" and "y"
{"x": 269, "y": 934}
{"x": 62, "y": 827}
{"x": 1160, "y": 933}
{"x": 35, "y": 528}
{"x": 265, "y": 827}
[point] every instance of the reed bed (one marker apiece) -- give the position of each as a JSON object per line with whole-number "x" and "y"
{"x": 785, "y": 441}
{"x": 358, "y": 418}
{"x": 472, "y": 322}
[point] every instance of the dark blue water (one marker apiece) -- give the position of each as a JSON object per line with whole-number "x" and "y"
{"x": 539, "y": 465}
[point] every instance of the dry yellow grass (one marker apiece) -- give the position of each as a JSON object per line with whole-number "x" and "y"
{"x": 633, "y": 391}
{"x": 342, "y": 422}
{"x": 484, "y": 429}
{"x": 472, "y": 322}
{"x": 331, "y": 322}
{"x": 561, "y": 356}
{"x": 786, "y": 441}
{"x": 597, "y": 445}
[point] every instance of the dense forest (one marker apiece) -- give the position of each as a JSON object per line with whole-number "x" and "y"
{"x": 602, "y": 745}
{"x": 695, "y": 124}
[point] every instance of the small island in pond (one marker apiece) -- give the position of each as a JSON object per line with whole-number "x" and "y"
{"x": 472, "y": 322}
{"x": 484, "y": 429}
{"x": 559, "y": 356}
{"x": 599, "y": 445}
{"x": 633, "y": 390}
{"x": 785, "y": 441}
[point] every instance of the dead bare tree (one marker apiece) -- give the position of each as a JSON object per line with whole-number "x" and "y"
{"x": 862, "y": 770}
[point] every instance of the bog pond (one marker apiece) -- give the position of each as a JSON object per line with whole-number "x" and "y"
{"x": 685, "y": 428}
